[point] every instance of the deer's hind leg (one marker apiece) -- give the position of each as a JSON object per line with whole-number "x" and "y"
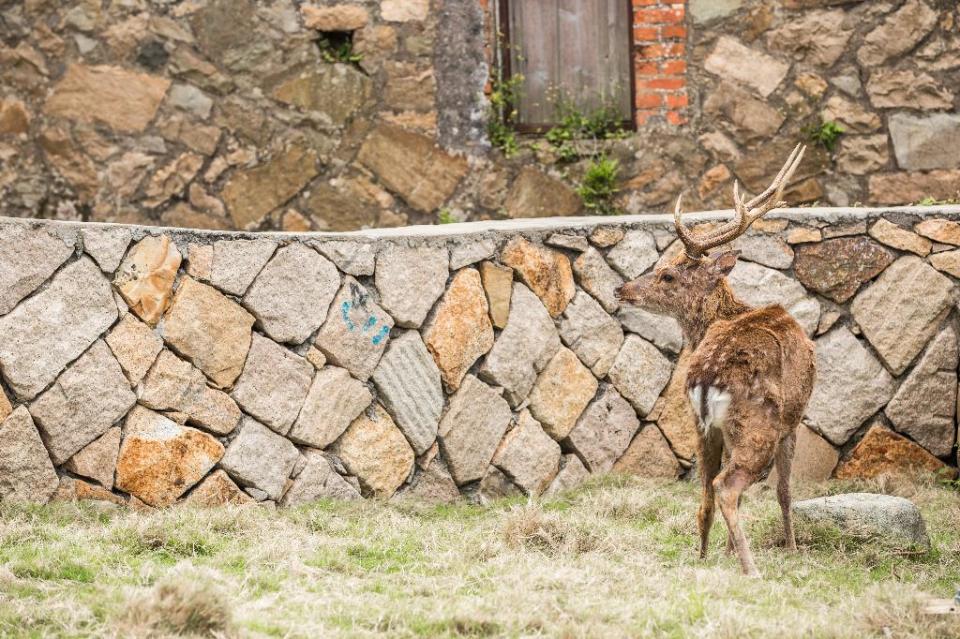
{"x": 784, "y": 461}
{"x": 710, "y": 454}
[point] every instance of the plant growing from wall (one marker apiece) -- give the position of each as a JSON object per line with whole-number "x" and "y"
{"x": 503, "y": 112}
{"x": 599, "y": 185}
{"x": 337, "y": 46}
{"x": 825, "y": 134}
{"x": 603, "y": 123}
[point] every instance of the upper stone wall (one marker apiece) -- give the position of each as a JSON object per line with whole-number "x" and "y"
{"x": 145, "y": 365}
{"x": 227, "y": 114}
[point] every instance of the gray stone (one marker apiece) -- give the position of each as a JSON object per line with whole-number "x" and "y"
{"x": 703, "y": 11}
{"x": 27, "y": 258}
{"x": 640, "y": 372}
{"x": 634, "y": 254}
{"x": 356, "y": 331}
{"x": 749, "y": 117}
{"x": 260, "y": 458}
{"x": 26, "y": 474}
{"x": 863, "y": 154}
{"x": 273, "y": 384}
{"x": 662, "y": 330}
{"x": 52, "y": 328}
{"x": 174, "y": 385}
{"x": 604, "y": 431}
{"x": 925, "y": 405}
{"x": 904, "y": 88}
{"x": 408, "y": 381}
{"x": 561, "y": 393}
{"x": 815, "y": 37}
{"x": 902, "y": 309}
{"x": 353, "y": 258}
{"x": 335, "y": 399}
{"x": 892, "y": 521}
{"x": 573, "y": 242}
{"x": 98, "y": 459}
{"x": 433, "y": 485}
{"x": 190, "y": 98}
{"x": 524, "y": 347}
{"x": 926, "y": 142}
{"x": 899, "y": 33}
{"x": 237, "y": 262}
{"x": 471, "y": 251}
{"x": 768, "y": 250}
{"x": 528, "y": 455}
{"x": 85, "y": 401}
{"x": 731, "y": 60}
{"x": 590, "y": 333}
{"x": 496, "y": 485}
{"x": 106, "y": 245}
{"x": 410, "y": 280}
{"x": 473, "y": 425}
{"x": 572, "y": 473}
{"x": 318, "y": 480}
{"x": 135, "y": 345}
{"x": 292, "y": 294}
{"x": 851, "y": 386}
{"x": 761, "y": 286}
{"x": 597, "y": 278}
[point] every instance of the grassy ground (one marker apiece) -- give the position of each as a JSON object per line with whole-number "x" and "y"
{"x": 613, "y": 559}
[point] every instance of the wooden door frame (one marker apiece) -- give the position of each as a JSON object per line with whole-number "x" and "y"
{"x": 503, "y": 45}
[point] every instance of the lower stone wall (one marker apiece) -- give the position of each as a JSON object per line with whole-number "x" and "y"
{"x": 155, "y": 366}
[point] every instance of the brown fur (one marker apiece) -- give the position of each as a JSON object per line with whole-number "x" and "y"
{"x": 761, "y": 357}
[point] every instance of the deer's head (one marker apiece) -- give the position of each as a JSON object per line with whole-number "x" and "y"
{"x": 688, "y": 283}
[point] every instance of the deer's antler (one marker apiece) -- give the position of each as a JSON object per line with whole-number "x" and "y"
{"x": 746, "y": 212}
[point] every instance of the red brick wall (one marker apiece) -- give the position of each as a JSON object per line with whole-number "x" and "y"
{"x": 659, "y": 38}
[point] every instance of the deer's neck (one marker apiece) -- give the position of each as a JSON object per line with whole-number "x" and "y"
{"x": 721, "y": 305}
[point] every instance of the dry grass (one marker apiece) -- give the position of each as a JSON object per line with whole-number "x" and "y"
{"x": 616, "y": 558}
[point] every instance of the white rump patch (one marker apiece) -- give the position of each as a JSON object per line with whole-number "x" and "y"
{"x": 717, "y": 404}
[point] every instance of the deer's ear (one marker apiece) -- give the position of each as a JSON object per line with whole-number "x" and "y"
{"x": 724, "y": 263}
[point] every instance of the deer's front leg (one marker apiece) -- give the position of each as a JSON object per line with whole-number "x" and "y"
{"x": 710, "y": 449}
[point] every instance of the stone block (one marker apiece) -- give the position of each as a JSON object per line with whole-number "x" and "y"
{"x": 470, "y": 430}
{"x": 590, "y": 333}
{"x": 28, "y": 474}
{"x": 561, "y": 393}
{"x": 410, "y": 280}
{"x": 335, "y": 399}
{"x": 376, "y": 452}
{"x": 259, "y": 458}
{"x": 273, "y": 384}
{"x": 640, "y": 372}
{"x": 528, "y": 455}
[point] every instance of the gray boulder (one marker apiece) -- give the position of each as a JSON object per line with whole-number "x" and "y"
{"x": 893, "y": 521}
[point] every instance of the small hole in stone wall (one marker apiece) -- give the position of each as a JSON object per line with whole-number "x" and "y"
{"x": 337, "y": 46}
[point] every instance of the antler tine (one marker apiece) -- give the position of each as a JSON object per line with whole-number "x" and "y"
{"x": 783, "y": 176}
{"x": 691, "y": 246}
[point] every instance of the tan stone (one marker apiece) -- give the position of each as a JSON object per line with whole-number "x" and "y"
{"x": 146, "y": 275}
{"x": 71, "y": 489}
{"x": 561, "y": 393}
{"x": 376, "y": 452}
{"x": 535, "y": 194}
{"x": 811, "y": 84}
{"x": 547, "y": 272}
{"x": 273, "y": 385}
{"x": 898, "y": 33}
{"x": 814, "y": 458}
{"x": 498, "y": 286}
{"x": 160, "y": 460}
{"x": 803, "y": 235}
{"x": 404, "y": 10}
{"x": 97, "y": 459}
{"x": 217, "y": 489}
{"x": 475, "y": 421}
{"x": 337, "y": 90}
{"x": 607, "y": 236}
{"x": 341, "y": 17}
{"x": 940, "y": 230}
{"x": 907, "y": 89}
{"x": 732, "y": 60}
{"x": 252, "y": 193}
{"x": 851, "y": 115}
{"x": 5, "y": 407}
{"x": 28, "y": 475}
{"x": 411, "y": 165}
{"x": 884, "y": 452}
{"x": 947, "y": 261}
{"x": 899, "y": 237}
{"x": 649, "y": 455}
{"x": 335, "y": 399}
{"x": 123, "y": 100}
{"x": 135, "y": 346}
{"x": 528, "y": 455}
{"x": 460, "y": 331}
{"x": 172, "y": 179}
{"x": 863, "y": 154}
{"x": 210, "y": 329}
{"x": 752, "y": 119}
{"x": 14, "y": 117}
{"x": 906, "y": 188}
{"x": 676, "y": 420}
{"x": 69, "y": 160}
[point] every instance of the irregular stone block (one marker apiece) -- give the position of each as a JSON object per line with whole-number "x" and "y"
{"x": 408, "y": 381}
{"x": 640, "y": 372}
{"x": 334, "y": 401}
{"x": 893, "y": 521}
{"x": 590, "y": 333}
{"x": 572, "y": 473}
{"x": 470, "y": 251}
{"x": 459, "y": 332}
{"x": 634, "y": 254}
{"x": 5, "y": 407}
{"x": 52, "y": 328}
{"x": 604, "y": 431}
{"x": 86, "y": 400}
{"x": 947, "y": 262}
{"x": 863, "y": 154}
{"x": 607, "y": 236}
{"x": 899, "y": 32}
{"x": 210, "y": 329}
{"x": 237, "y": 262}
{"x": 376, "y": 452}
{"x": 546, "y": 272}
{"x": 732, "y": 60}
{"x": 145, "y": 278}
{"x": 98, "y": 459}
{"x": 160, "y": 460}
{"x": 433, "y": 485}
{"x": 597, "y": 278}
{"x": 335, "y": 18}
{"x": 71, "y": 489}
{"x": 851, "y": 115}
{"x": 28, "y": 476}
{"x": 528, "y": 455}
{"x": 663, "y": 330}
{"x": 816, "y": 37}
{"x": 906, "y": 187}
{"x": 292, "y": 294}
{"x": 335, "y": 90}
{"x": 410, "y": 280}
{"x": 899, "y": 238}
{"x": 761, "y": 286}
{"x": 925, "y": 142}
{"x": 217, "y": 489}
{"x": 925, "y": 405}
{"x": 27, "y": 258}
{"x": 940, "y": 230}
{"x": 498, "y": 286}
{"x": 765, "y": 249}
{"x": 318, "y": 480}
{"x": 561, "y": 393}
{"x": 851, "y": 386}
{"x": 676, "y": 420}
{"x": 649, "y": 455}
{"x": 353, "y": 258}
{"x": 836, "y": 268}
{"x": 568, "y": 241}
{"x": 496, "y": 485}
{"x": 135, "y": 346}
{"x": 259, "y": 458}
{"x": 902, "y": 309}
{"x": 273, "y": 384}
{"x": 813, "y": 458}
{"x": 356, "y": 331}
{"x": 890, "y": 89}
{"x": 250, "y": 194}
{"x": 473, "y": 425}
{"x": 884, "y": 452}
{"x": 174, "y": 385}
{"x": 536, "y": 194}
{"x": 529, "y": 341}
{"x": 404, "y": 10}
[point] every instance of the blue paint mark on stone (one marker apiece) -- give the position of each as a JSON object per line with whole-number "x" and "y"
{"x": 345, "y": 311}
{"x": 371, "y": 322}
{"x": 379, "y": 337}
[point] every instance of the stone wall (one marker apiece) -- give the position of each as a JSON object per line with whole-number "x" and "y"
{"x": 229, "y": 114}
{"x": 151, "y": 366}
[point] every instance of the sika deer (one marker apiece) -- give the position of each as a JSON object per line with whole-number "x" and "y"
{"x": 751, "y": 369}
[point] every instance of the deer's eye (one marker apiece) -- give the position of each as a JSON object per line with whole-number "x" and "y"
{"x": 666, "y": 277}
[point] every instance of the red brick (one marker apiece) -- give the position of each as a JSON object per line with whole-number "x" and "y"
{"x": 645, "y": 3}
{"x": 641, "y": 117}
{"x": 658, "y": 15}
{"x": 673, "y": 31}
{"x": 668, "y": 84}
{"x": 676, "y": 118}
{"x": 676, "y": 101}
{"x": 673, "y": 67}
{"x": 646, "y": 34}
{"x": 648, "y": 100}
{"x": 647, "y": 68}
{"x": 662, "y": 50}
